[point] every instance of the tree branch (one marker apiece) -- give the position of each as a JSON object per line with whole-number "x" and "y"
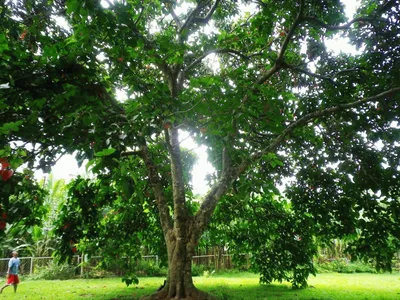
{"x": 306, "y": 119}
{"x": 175, "y": 17}
{"x": 268, "y": 74}
{"x": 291, "y": 31}
{"x": 215, "y": 51}
{"x": 132, "y": 153}
{"x": 140, "y": 16}
{"x": 319, "y": 76}
{"x": 211, "y": 199}
{"x": 207, "y": 18}
{"x": 193, "y": 18}
{"x": 309, "y": 73}
{"x": 346, "y": 26}
{"x": 155, "y": 181}
{"x": 279, "y": 61}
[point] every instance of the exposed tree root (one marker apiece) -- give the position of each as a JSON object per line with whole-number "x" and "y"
{"x": 192, "y": 294}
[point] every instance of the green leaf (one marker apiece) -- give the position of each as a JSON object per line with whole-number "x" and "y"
{"x": 105, "y": 152}
{"x": 73, "y": 6}
{"x": 89, "y": 164}
{"x": 130, "y": 279}
{"x": 7, "y": 128}
{"x": 71, "y": 40}
{"x": 15, "y": 162}
{"x": 3, "y": 43}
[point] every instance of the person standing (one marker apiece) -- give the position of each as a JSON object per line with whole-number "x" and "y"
{"x": 13, "y": 268}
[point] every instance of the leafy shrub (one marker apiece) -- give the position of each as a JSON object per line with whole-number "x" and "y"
{"x": 343, "y": 265}
{"x": 208, "y": 274}
{"x": 130, "y": 279}
{"x": 198, "y": 270}
{"x": 96, "y": 272}
{"x": 150, "y": 268}
{"x": 53, "y": 271}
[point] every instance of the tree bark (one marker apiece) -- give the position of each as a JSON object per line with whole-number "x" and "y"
{"x": 179, "y": 283}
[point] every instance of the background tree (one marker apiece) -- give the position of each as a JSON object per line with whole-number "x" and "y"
{"x": 259, "y": 89}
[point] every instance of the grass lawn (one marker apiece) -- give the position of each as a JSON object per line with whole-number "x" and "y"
{"x": 238, "y": 286}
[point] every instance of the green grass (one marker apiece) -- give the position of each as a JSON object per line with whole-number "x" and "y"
{"x": 236, "y": 286}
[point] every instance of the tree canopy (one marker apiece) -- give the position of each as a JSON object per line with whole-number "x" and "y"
{"x": 251, "y": 80}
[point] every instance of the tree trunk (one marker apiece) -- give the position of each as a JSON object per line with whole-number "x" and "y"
{"x": 179, "y": 283}
{"x": 182, "y": 231}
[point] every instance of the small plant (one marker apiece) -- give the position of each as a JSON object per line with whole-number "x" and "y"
{"x": 150, "y": 268}
{"x": 54, "y": 271}
{"x": 344, "y": 266}
{"x": 198, "y": 270}
{"x": 207, "y": 274}
{"x": 130, "y": 279}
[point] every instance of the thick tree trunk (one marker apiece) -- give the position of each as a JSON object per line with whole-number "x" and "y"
{"x": 182, "y": 231}
{"x": 179, "y": 284}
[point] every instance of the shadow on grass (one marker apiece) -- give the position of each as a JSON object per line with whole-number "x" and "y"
{"x": 322, "y": 287}
{"x": 229, "y": 287}
{"x": 253, "y": 292}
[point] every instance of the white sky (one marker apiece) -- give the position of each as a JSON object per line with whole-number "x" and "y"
{"x": 67, "y": 166}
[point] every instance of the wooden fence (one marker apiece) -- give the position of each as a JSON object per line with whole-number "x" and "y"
{"x": 216, "y": 261}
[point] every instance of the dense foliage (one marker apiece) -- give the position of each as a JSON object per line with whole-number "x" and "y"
{"x": 251, "y": 80}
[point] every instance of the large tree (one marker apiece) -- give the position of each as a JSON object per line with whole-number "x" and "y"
{"x": 251, "y": 80}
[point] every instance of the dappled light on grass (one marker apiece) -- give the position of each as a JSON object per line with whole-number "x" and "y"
{"x": 235, "y": 286}
{"x": 324, "y": 286}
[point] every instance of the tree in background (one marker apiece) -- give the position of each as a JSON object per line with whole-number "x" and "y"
{"x": 21, "y": 201}
{"x": 251, "y": 80}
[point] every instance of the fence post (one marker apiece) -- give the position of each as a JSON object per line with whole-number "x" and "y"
{"x": 31, "y": 268}
{"x": 83, "y": 260}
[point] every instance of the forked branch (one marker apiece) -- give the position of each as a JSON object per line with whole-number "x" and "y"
{"x": 279, "y": 63}
{"x": 194, "y": 15}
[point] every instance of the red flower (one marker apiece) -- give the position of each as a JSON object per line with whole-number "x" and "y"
{"x": 6, "y": 174}
{"x": 23, "y": 35}
{"x": 3, "y": 225}
{"x": 4, "y": 164}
